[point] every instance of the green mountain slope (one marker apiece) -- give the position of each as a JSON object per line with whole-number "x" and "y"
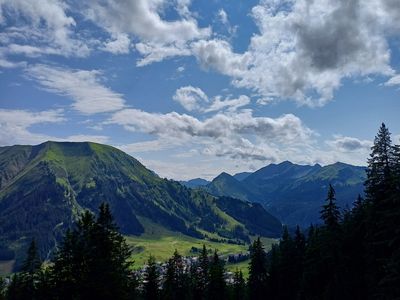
{"x": 43, "y": 189}
{"x": 226, "y": 185}
{"x": 294, "y": 193}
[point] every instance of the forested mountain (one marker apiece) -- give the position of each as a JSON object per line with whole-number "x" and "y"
{"x": 194, "y": 183}
{"x": 352, "y": 254}
{"x": 293, "y": 192}
{"x": 44, "y": 188}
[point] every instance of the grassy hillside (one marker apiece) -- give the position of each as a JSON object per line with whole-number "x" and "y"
{"x": 44, "y": 188}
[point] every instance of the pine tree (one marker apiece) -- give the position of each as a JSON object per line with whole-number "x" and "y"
{"x": 217, "y": 285}
{"x": 151, "y": 280}
{"x": 2, "y": 289}
{"x": 257, "y": 282}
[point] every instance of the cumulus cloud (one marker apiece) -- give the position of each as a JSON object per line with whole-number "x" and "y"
{"x": 158, "y": 38}
{"x": 302, "y": 56}
{"x": 142, "y": 18}
{"x": 228, "y": 135}
{"x": 82, "y": 86}
{"x": 349, "y": 144}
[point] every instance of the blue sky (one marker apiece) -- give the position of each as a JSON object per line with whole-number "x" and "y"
{"x": 192, "y": 88}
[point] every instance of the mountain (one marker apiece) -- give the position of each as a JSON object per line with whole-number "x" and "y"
{"x": 194, "y": 183}
{"x": 241, "y": 176}
{"x": 294, "y": 193}
{"x": 226, "y": 185}
{"x": 44, "y": 188}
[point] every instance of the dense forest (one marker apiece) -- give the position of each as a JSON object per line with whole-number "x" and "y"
{"x": 354, "y": 254}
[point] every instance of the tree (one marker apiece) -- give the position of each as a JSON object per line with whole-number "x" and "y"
{"x": 257, "y": 282}
{"x": 383, "y": 216}
{"x": 151, "y": 280}
{"x": 93, "y": 260}
{"x": 379, "y": 171}
{"x": 330, "y": 213}
{"x": 25, "y": 284}
{"x": 176, "y": 281}
{"x": 217, "y": 285}
{"x": 201, "y": 276}
{"x": 239, "y": 286}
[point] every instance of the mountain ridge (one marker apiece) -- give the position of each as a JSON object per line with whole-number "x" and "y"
{"x": 44, "y": 188}
{"x": 294, "y": 193}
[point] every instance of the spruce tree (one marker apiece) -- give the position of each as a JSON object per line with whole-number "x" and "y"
{"x": 201, "y": 276}
{"x": 330, "y": 213}
{"x": 93, "y": 260}
{"x": 217, "y": 285}
{"x": 379, "y": 171}
{"x": 151, "y": 280}
{"x": 176, "y": 281}
{"x": 383, "y": 213}
{"x": 257, "y": 282}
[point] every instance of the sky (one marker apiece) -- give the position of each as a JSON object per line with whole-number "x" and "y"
{"x": 192, "y": 88}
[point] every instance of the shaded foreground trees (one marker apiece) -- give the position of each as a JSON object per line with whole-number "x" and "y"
{"x": 354, "y": 254}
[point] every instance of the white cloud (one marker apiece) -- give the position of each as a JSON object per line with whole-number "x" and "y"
{"x": 158, "y": 38}
{"x": 101, "y": 139}
{"x": 302, "y": 56}
{"x": 15, "y": 128}
{"x": 231, "y": 104}
{"x": 142, "y": 18}
{"x": 153, "y": 145}
{"x": 349, "y": 144}
{"x": 82, "y": 86}
{"x": 218, "y": 54}
{"x": 119, "y": 45}
{"x": 393, "y": 81}
{"x": 223, "y": 16}
{"x": 234, "y": 135}
{"x": 191, "y": 98}
{"x": 156, "y": 52}
{"x": 14, "y": 125}
{"x": 43, "y": 27}
{"x": 194, "y": 99}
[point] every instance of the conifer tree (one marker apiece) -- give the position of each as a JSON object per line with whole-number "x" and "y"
{"x": 176, "y": 282}
{"x": 239, "y": 286}
{"x": 93, "y": 260}
{"x": 379, "y": 172}
{"x": 201, "y": 276}
{"x": 383, "y": 213}
{"x": 217, "y": 285}
{"x": 257, "y": 282}
{"x": 25, "y": 284}
{"x": 330, "y": 213}
{"x": 151, "y": 280}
